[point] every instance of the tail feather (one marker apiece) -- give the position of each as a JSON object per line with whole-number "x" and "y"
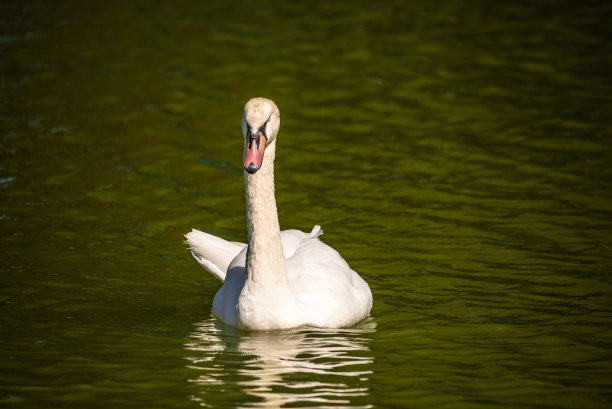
{"x": 316, "y": 231}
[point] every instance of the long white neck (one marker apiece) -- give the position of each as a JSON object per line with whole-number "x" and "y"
{"x": 265, "y": 263}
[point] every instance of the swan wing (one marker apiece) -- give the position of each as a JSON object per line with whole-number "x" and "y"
{"x": 213, "y": 253}
{"x": 322, "y": 280}
{"x": 292, "y": 240}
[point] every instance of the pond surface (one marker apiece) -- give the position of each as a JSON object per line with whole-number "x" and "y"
{"x": 457, "y": 154}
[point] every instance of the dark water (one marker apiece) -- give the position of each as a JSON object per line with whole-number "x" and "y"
{"x": 458, "y": 154}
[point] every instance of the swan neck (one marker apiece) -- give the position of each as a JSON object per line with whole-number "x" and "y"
{"x": 265, "y": 264}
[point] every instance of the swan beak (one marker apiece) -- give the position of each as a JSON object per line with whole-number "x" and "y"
{"x": 254, "y": 152}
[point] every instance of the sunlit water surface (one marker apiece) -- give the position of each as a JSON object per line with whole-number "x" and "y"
{"x": 457, "y": 154}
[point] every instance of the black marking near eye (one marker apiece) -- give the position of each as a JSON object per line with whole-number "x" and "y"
{"x": 257, "y": 140}
{"x": 257, "y": 136}
{"x": 262, "y": 128}
{"x": 252, "y": 138}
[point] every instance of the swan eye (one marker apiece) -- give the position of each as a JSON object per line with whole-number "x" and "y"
{"x": 262, "y": 130}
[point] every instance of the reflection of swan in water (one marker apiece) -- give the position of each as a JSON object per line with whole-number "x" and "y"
{"x": 329, "y": 367}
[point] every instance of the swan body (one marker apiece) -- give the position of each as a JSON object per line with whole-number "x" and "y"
{"x": 279, "y": 279}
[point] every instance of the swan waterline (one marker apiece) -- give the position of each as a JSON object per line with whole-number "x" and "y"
{"x": 280, "y": 279}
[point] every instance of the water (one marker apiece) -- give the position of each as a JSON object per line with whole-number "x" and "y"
{"x": 456, "y": 154}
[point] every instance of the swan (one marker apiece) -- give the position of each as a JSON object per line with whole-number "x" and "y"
{"x": 280, "y": 279}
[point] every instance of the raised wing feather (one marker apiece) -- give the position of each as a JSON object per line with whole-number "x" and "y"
{"x": 213, "y": 253}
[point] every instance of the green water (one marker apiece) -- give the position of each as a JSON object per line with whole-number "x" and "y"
{"x": 458, "y": 155}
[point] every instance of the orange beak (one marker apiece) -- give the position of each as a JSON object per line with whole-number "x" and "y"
{"x": 254, "y": 152}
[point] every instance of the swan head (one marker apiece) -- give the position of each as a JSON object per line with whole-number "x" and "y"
{"x": 260, "y": 124}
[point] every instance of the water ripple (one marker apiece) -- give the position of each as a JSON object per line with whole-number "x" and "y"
{"x": 306, "y": 366}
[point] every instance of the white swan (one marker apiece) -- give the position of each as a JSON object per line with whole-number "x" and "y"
{"x": 280, "y": 279}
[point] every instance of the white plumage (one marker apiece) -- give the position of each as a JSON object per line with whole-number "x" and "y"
{"x": 279, "y": 279}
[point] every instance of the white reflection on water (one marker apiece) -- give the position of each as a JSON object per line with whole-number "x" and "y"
{"x": 308, "y": 365}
